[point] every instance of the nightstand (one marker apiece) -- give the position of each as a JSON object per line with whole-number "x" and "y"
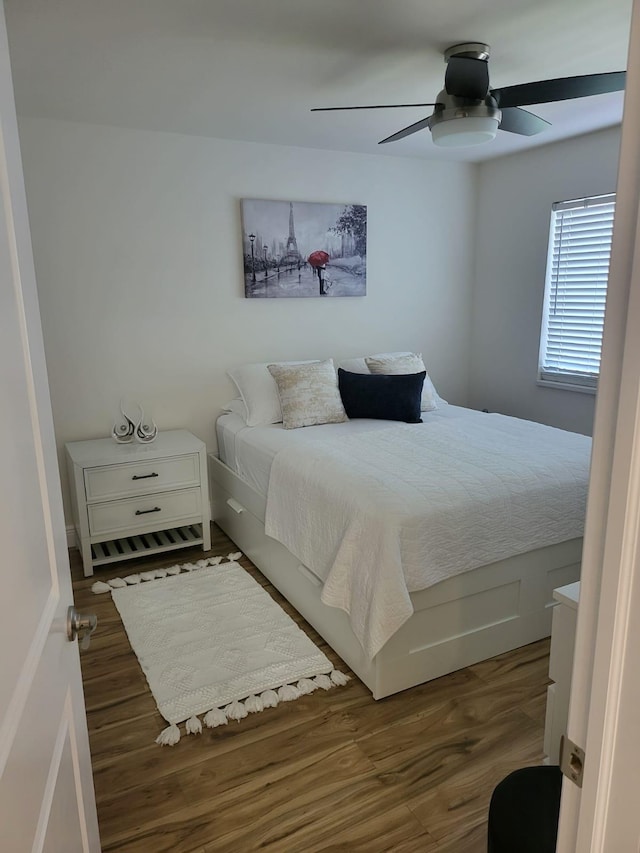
{"x": 563, "y": 637}
{"x": 132, "y": 500}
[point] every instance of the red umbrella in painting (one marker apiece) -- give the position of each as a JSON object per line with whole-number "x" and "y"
{"x": 318, "y": 258}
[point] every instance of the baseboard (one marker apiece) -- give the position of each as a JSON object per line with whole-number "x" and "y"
{"x": 71, "y": 536}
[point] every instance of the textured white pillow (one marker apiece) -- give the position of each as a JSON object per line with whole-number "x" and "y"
{"x": 395, "y": 363}
{"x": 236, "y": 407}
{"x": 308, "y": 394}
{"x": 259, "y": 392}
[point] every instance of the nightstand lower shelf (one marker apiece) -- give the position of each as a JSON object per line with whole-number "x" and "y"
{"x": 144, "y": 544}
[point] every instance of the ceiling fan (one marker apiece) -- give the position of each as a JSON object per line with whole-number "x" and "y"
{"x": 469, "y": 112}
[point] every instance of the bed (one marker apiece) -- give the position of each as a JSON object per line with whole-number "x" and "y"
{"x": 486, "y": 593}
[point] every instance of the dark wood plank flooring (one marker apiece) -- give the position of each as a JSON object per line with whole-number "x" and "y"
{"x": 332, "y": 771}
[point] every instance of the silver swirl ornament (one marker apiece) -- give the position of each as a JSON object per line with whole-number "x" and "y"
{"x": 123, "y": 431}
{"x": 145, "y": 433}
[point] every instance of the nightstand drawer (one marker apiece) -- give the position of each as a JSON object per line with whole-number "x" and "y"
{"x": 140, "y": 478}
{"x": 165, "y": 509}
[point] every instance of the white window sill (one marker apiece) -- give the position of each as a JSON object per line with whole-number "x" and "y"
{"x": 566, "y": 386}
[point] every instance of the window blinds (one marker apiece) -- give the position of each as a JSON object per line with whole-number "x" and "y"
{"x": 576, "y": 290}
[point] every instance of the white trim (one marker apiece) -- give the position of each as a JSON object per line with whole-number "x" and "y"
{"x": 72, "y": 539}
{"x": 586, "y": 816}
{"x": 566, "y": 386}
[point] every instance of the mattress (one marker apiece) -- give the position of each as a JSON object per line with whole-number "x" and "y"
{"x": 250, "y": 451}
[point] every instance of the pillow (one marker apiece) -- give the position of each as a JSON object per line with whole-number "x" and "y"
{"x": 354, "y": 365}
{"x": 393, "y": 397}
{"x": 259, "y": 392}
{"x": 236, "y": 407}
{"x": 391, "y": 364}
{"x": 308, "y": 394}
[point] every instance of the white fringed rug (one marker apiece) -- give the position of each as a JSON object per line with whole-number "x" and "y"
{"x": 212, "y": 642}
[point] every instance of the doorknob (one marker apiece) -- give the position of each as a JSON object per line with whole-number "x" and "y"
{"x": 81, "y": 626}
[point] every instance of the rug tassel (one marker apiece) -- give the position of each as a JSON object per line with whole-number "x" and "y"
{"x": 169, "y": 736}
{"x": 253, "y": 704}
{"x": 323, "y": 681}
{"x": 269, "y": 698}
{"x": 214, "y": 718}
{"x": 339, "y": 678}
{"x": 236, "y": 711}
{"x": 193, "y": 726}
{"x": 306, "y": 686}
{"x": 287, "y": 693}
{"x": 153, "y": 574}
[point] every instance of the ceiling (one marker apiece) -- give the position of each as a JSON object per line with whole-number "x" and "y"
{"x": 251, "y": 69}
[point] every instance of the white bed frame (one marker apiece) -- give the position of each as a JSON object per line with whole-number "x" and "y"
{"x": 458, "y": 622}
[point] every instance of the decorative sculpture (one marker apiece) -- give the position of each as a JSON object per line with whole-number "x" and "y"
{"x": 145, "y": 433}
{"x": 125, "y": 431}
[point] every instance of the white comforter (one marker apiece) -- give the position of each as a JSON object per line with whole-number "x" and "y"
{"x": 381, "y": 514}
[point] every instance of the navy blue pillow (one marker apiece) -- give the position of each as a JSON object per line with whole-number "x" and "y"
{"x": 375, "y": 395}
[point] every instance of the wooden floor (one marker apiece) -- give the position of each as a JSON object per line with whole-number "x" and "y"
{"x": 332, "y": 771}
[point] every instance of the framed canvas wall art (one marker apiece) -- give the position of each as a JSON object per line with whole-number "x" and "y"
{"x": 302, "y": 249}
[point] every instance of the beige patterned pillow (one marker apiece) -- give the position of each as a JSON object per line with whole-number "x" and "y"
{"x": 308, "y": 394}
{"x": 392, "y": 365}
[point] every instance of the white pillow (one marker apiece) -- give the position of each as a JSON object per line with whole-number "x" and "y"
{"x": 236, "y": 407}
{"x": 354, "y": 365}
{"x": 394, "y": 364}
{"x": 259, "y": 392}
{"x": 309, "y": 394}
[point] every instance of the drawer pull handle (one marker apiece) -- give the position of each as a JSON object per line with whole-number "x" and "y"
{"x": 235, "y": 506}
{"x": 145, "y": 511}
{"x": 144, "y": 476}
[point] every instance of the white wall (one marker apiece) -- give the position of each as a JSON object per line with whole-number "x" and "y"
{"x": 136, "y": 239}
{"x": 514, "y": 206}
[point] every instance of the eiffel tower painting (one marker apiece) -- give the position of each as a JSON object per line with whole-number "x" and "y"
{"x": 295, "y": 249}
{"x": 292, "y": 255}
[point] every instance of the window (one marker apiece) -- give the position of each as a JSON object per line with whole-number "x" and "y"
{"x": 575, "y": 291}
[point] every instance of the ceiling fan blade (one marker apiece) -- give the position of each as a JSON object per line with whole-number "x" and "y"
{"x": 560, "y": 89}
{"x": 467, "y": 77}
{"x": 520, "y": 121}
{"x": 406, "y": 131}
{"x": 371, "y": 107}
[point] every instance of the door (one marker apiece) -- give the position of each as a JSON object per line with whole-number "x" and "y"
{"x": 46, "y": 788}
{"x": 605, "y": 692}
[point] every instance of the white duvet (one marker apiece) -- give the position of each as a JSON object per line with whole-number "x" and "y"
{"x": 380, "y": 514}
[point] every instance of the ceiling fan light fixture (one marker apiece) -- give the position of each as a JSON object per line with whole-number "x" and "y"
{"x": 465, "y": 132}
{"x": 457, "y": 125}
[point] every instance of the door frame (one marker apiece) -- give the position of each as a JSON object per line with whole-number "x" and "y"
{"x": 604, "y": 681}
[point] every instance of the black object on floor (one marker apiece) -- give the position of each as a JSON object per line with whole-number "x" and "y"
{"x": 524, "y": 811}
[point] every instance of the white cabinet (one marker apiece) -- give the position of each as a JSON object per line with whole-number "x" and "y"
{"x": 131, "y": 500}
{"x": 563, "y": 635}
